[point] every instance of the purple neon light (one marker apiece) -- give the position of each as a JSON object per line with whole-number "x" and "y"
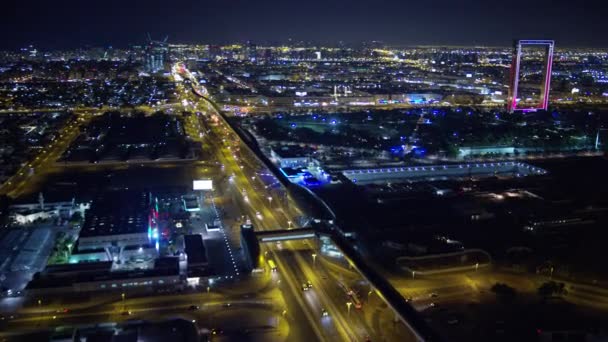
{"x": 548, "y": 77}
{"x": 515, "y": 78}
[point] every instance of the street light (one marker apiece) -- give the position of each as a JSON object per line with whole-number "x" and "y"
{"x": 289, "y": 223}
{"x": 348, "y": 305}
{"x": 314, "y": 259}
{"x": 39, "y": 304}
{"x": 269, "y": 201}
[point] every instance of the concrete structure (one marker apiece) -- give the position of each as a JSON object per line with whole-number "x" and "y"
{"x": 250, "y": 247}
{"x": 195, "y": 252}
{"x": 442, "y": 172}
{"x": 290, "y": 157}
{"x": 97, "y": 276}
{"x": 89, "y": 255}
{"x": 138, "y": 253}
{"x": 116, "y": 219}
{"x": 29, "y": 252}
{"x": 285, "y": 234}
{"x": 30, "y": 212}
{"x": 483, "y": 150}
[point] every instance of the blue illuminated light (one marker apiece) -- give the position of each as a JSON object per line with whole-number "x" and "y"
{"x": 419, "y": 152}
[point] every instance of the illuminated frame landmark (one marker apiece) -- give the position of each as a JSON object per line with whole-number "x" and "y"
{"x": 513, "y": 87}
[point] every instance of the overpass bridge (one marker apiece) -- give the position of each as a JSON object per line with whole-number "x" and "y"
{"x": 386, "y": 291}
{"x": 285, "y": 234}
{"x": 383, "y": 288}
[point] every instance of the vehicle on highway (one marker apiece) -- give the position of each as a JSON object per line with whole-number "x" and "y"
{"x": 305, "y": 287}
{"x": 324, "y": 313}
{"x": 272, "y": 265}
{"x": 352, "y": 295}
{"x": 355, "y": 299}
{"x": 193, "y": 307}
{"x": 309, "y": 284}
{"x": 433, "y": 295}
{"x": 126, "y": 313}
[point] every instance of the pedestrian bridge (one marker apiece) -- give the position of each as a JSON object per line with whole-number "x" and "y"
{"x": 285, "y": 234}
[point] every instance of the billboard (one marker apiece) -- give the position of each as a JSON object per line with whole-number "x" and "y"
{"x": 202, "y": 184}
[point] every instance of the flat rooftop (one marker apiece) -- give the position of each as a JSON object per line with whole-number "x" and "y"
{"x": 96, "y": 272}
{"x": 195, "y": 250}
{"x": 289, "y": 151}
{"x": 116, "y": 213}
{"x": 442, "y": 172}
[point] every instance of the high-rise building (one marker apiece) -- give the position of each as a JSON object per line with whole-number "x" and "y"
{"x": 251, "y": 52}
{"x": 155, "y": 55}
{"x": 215, "y": 52}
{"x": 544, "y": 48}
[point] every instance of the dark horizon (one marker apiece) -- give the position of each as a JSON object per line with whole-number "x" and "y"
{"x": 73, "y": 24}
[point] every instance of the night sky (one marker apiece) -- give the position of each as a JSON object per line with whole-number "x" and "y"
{"x": 76, "y": 23}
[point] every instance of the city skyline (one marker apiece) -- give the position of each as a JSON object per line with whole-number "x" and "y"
{"x": 70, "y": 24}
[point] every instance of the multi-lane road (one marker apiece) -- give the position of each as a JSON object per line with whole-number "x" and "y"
{"x": 295, "y": 262}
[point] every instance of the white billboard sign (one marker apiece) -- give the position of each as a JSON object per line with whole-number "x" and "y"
{"x": 202, "y": 184}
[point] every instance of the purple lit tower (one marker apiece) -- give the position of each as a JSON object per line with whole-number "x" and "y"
{"x": 518, "y": 46}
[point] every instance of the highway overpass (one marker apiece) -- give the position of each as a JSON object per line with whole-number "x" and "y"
{"x": 285, "y": 234}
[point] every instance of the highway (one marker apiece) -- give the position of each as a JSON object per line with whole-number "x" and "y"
{"x": 219, "y": 140}
{"x": 294, "y": 259}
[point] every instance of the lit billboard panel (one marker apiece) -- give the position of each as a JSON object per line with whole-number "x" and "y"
{"x": 202, "y": 184}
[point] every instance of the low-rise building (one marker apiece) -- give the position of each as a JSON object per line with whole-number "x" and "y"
{"x": 116, "y": 219}
{"x": 98, "y": 276}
